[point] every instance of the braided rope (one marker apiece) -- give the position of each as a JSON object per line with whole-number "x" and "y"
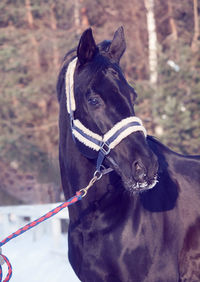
{"x": 30, "y": 225}
{"x": 79, "y": 195}
{"x": 41, "y": 219}
{"x": 9, "y": 274}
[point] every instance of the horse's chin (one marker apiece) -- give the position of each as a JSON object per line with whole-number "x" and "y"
{"x": 138, "y": 187}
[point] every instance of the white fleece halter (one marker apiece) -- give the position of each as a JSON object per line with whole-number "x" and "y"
{"x": 102, "y": 144}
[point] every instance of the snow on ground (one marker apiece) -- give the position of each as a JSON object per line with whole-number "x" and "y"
{"x": 37, "y": 261}
{"x": 36, "y": 256}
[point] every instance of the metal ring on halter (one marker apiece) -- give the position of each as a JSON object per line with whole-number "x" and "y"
{"x": 98, "y": 174}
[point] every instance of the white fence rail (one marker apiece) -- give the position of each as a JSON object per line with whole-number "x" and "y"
{"x": 14, "y": 217}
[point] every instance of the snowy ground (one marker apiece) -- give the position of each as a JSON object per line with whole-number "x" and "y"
{"x": 36, "y": 256}
{"x": 37, "y": 261}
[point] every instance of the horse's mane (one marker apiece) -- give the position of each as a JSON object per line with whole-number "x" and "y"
{"x": 156, "y": 142}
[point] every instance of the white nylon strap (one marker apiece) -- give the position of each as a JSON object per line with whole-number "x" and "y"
{"x": 83, "y": 137}
{"x": 69, "y": 86}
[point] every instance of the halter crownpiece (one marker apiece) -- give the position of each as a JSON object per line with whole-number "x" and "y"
{"x": 102, "y": 144}
{"x": 69, "y": 84}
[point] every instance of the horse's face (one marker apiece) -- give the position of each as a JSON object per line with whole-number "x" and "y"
{"x": 103, "y": 98}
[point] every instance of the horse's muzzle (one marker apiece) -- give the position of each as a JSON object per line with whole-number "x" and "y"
{"x": 141, "y": 179}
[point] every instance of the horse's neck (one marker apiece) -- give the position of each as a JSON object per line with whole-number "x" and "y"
{"x": 176, "y": 164}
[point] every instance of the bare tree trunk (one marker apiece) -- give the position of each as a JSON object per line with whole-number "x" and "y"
{"x": 33, "y": 39}
{"x": 29, "y": 14}
{"x": 54, "y": 43}
{"x": 77, "y": 20}
{"x": 84, "y": 18}
{"x": 151, "y": 28}
{"x": 53, "y": 18}
{"x": 172, "y": 21}
{"x": 194, "y": 45}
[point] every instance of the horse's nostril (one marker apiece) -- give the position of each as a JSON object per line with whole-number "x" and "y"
{"x": 137, "y": 167}
{"x": 139, "y": 171}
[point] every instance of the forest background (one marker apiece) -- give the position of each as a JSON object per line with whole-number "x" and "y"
{"x": 162, "y": 62}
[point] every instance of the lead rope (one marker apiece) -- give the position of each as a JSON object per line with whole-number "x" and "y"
{"x": 79, "y": 196}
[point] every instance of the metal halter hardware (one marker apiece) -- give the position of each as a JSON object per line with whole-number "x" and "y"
{"x": 105, "y": 148}
{"x": 101, "y": 144}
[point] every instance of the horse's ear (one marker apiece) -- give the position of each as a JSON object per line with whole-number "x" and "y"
{"x": 118, "y": 45}
{"x": 87, "y": 47}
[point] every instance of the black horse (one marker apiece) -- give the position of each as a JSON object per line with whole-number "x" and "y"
{"x": 141, "y": 221}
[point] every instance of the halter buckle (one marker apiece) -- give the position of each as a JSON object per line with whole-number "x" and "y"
{"x": 71, "y": 120}
{"x": 105, "y": 149}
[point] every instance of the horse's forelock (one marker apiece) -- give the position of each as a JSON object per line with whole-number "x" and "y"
{"x": 104, "y": 46}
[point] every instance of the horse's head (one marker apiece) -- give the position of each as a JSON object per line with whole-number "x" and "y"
{"x": 103, "y": 105}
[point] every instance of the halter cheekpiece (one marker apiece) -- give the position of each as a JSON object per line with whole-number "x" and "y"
{"x": 101, "y": 144}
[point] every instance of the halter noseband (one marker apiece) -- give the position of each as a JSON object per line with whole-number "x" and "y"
{"x": 101, "y": 144}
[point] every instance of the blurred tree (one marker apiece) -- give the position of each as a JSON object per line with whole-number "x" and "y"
{"x": 152, "y": 39}
{"x": 195, "y": 40}
{"x": 176, "y": 106}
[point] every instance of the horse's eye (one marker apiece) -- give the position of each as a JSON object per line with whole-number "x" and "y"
{"x": 93, "y": 101}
